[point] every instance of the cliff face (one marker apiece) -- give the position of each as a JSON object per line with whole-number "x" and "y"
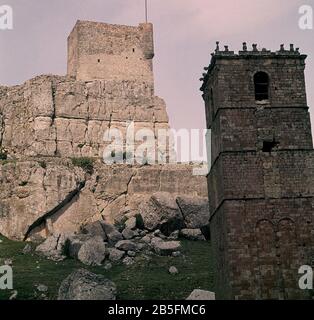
{"x": 50, "y": 120}
{"x": 63, "y": 117}
{"x": 51, "y": 195}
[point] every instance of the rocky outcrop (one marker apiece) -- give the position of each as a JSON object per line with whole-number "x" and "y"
{"x": 54, "y": 247}
{"x": 161, "y": 212}
{"x": 84, "y": 285}
{"x": 192, "y": 234}
{"x": 49, "y": 195}
{"x": 195, "y": 211}
{"x": 92, "y": 252}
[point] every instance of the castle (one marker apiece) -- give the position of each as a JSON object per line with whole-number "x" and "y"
{"x": 50, "y": 120}
{"x": 260, "y": 185}
{"x": 261, "y": 182}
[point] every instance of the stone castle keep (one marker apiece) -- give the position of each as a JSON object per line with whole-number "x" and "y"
{"x": 260, "y": 187}
{"x": 261, "y": 183}
{"x": 49, "y": 120}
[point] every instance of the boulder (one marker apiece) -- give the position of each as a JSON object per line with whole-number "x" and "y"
{"x": 92, "y": 252}
{"x": 173, "y": 270}
{"x": 84, "y": 285}
{"x": 27, "y": 249}
{"x": 195, "y": 211}
{"x": 126, "y": 245}
{"x": 201, "y": 295}
{"x": 75, "y": 244}
{"x": 54, "y": 247}
{"x": 161, "y": 212}
{"x": 131, "y": 223}
{"x": 95, "y": 229}
{"x": 166, "y": 248}
{"x": 115, "y": 254}
{"x": 192, "y": 234}
{"x": 128, "y": 234}
{"x": 174, "y": 235}
{"x": 112, "y": 233}
{"x": 131, "y": 254}
{"x": 128, "y": 261}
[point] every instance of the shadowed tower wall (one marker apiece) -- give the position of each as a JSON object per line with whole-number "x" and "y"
{"x": 261, "y": 182}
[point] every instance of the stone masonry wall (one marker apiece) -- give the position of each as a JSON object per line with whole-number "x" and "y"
{"x": 111, "y": 52}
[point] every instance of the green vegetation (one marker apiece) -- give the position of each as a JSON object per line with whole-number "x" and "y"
{"x": 43, "y": 164}
{"x": 3, "y": 154}
{"x": 143, "y": 280}
{"x": 87, "y": 164}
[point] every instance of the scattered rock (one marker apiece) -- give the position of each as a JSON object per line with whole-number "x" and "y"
{"x": 166, "y": 248}
{"x": 201, "y": 295}
{"x": 128, "y": 234}
{"x": 75, "y": 244}
{"x": 131, "y": 253}
{"x": 54, "y": 247}
{"x": 27, "y": 249}
{"x": 42, "y": 288}
{"x": 195, "y": 211}
{"x": 126, "y": 245}
{"x": 143, "y": 233}
{"x": 192, "y": 234}
{"x": 115, "y": 254}
{"x": 131, "y": 223}
{"x": 174, "y": 235}
{"x": 128, "y": 261}
{"x": 107, "y": 266}
{"x": 176, "y": 254}
{"x": 141, "y": 246}
{"x": 92, "y": 252}
{"x": 112, "y": 233}
{"x": 146, "y": 239}
{"x": 161, "y": 212}
{"x": 95, "y": 229}
{"x": 84, "y": 285}
{"x": 173, "y": 270}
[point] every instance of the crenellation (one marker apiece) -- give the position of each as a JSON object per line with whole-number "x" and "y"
{"x": 260, "y": 184}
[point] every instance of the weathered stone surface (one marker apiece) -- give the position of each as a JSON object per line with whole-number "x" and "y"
{"x": 31, "y": 189}
{"x": 166, "y": 248}
{"x": 53, "y": 247}
{"x": 173, "y": 270}
{"x": 126, "y": 245}
{"x": 75, "y": 243}
{"x": 49, "y": 119}
{"x": 161, "y": 212}
{"x": 84, "y": 285}
{"x": 113, "y": 235}
{"x": 131, "y": 223}
{"x": 115, "y": 254}
{"x": 128, "y": 261}
{"x": 195, "y": 211}
{"x": 92, "y": 252}
{"x": 128, "y": 234}
{"x": 201, "y": 295}
{"x": 192, "y": 234}
{"x": 95, "y": 229}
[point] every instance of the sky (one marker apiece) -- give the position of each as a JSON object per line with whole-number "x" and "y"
{"x": 185, "y": 35}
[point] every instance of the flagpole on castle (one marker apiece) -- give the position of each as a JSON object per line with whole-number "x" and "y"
{"x": 146, "y": 11}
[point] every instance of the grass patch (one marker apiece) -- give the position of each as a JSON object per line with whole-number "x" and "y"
{"x": 145, "y": 280}
{"x": 87, "y": 164}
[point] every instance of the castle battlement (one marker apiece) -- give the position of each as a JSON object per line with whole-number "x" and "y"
{"x": 111, "y": 52}
{"x": 221, "y": 56}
